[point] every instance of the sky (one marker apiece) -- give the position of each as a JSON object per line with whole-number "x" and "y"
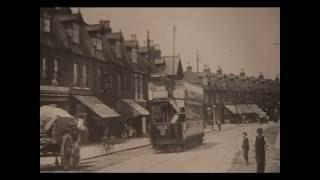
{"x": 233, "y": 38}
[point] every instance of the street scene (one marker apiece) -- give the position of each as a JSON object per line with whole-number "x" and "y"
{"x": 220, "y": 153}
{"x": 207, "y": 101}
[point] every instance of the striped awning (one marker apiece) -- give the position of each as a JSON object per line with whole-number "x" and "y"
{"x": 244, "y": 109}
{"x": 96, "y": 106}
{"x": 174, "y": 105}
{"x": 257, "y": 110}
{"x": 132, "y": 106}
{"x": 231, "y": 108}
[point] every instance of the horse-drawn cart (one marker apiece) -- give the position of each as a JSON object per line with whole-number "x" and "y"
{"x": 59, "y": 136}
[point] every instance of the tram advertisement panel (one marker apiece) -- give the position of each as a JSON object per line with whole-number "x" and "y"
{"x": 192, "y": 128}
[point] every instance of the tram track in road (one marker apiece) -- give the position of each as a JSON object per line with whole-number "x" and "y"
{"x": 211, "y": 132}
{"x": 93, "y": 164}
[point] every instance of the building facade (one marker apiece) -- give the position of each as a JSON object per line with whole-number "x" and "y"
{"x": 233, "y": 98}
{"x": 93, "y": 73}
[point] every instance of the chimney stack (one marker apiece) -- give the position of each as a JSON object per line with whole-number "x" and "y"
{"x": 261, "y": 75}
{"x": 206, "y": 68}
{"x": 105, "y": 24}
{"x": 189, "y": 67}
{"x": 219, "y": 70}
{"x": 242, "y": 72}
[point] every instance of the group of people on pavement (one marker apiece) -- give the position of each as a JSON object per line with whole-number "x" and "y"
{"x": 260, "y": 150}
{"x": 127, "y": 131}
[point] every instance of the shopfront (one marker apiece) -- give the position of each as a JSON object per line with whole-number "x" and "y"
{"x": 134, "y": 115}
{"x": 98, "y": 116}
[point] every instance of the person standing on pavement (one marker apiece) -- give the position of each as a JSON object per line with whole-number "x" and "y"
{"x": 245, "y": 147}
{"x": 219, "y": 124}
{"x": 243, "y": 117}
{"x": 260, "y": 146}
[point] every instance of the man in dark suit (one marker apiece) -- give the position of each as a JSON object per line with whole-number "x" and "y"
{"x": 245, "y": 147}
{"x": 260, "y": 146}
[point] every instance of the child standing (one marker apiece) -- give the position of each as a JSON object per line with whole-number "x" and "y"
{"x": 245, "y": 147}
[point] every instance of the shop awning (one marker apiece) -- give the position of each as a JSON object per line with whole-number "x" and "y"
{"x": 132, "y": 106}
{"x": 231, "y": 108}
{"x": 97, "y": 106}
{"x": 257, "y": 110}
{"x": 244, "y": 109}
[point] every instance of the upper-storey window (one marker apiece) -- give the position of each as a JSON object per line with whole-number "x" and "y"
{"x": 75, "y": 74}
{"x": 118, "y": 49}
{"x": 85, "y": 75}
{"x": 44, "y": 68}
{"x": 99, "y": 42}
{"x": 134, "y": 55}
{"x": 45, "y": 23}
{"x": 75, "y": 33}
{"x": 56, "y": 69}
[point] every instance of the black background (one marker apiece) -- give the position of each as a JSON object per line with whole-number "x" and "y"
{"x": 298, "y": 85}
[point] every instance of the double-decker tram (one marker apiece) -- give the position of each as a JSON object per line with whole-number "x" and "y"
{"x": 177, "y": 121}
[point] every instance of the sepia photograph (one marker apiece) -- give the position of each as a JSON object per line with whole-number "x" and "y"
{"x": 160, "y": 90}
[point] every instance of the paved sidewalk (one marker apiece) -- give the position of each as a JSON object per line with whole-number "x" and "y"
{"x": 91, "y": 151}
{"x": 272, "y": 133}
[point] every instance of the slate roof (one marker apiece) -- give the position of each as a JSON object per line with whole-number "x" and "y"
{"x": 58, "y": 37}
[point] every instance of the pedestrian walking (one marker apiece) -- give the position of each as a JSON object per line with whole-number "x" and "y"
{"x": 219, "y": 124}
{"x": 245, "y": 147}
{"x": 260, "y": 148}
{"x": 243, "y": 117}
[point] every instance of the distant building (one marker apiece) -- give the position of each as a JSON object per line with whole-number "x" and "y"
{"x": 228, "y": 96}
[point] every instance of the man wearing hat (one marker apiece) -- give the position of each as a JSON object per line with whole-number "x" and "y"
{"x": 260, "y": 151}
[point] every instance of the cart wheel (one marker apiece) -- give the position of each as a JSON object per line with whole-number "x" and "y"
{"x": 66, "y": 151}
{"x": 76, "y": 155}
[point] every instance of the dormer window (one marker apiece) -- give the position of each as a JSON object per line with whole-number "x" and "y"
{"x": 97, "y": 42}
{"x": 75, "y": 33}
{"x": 45, "y": 23}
